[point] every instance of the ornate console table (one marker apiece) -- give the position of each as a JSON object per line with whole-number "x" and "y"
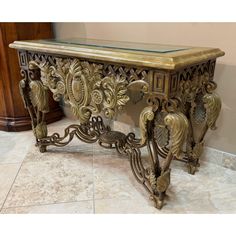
{"x": 99, "y": 76}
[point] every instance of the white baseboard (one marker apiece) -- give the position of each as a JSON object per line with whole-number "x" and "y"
{"x": 227, "y": 160}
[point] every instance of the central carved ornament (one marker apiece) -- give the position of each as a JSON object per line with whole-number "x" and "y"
{"x": 83, "y": 86}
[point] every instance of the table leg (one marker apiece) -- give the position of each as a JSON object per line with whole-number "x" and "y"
{"x": 156, "y": 177}
{"x": 177, "y": 124}
{"x": 35, "y": 98}
{"x": 203, "y": 115}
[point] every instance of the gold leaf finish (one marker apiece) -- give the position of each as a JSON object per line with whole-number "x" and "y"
{"x": 163, "y": 181}
{"x": 178, "y": 124}
{"x": 83, "y": 87}
{"x": 146, "y": 115}
{"x": 170, "y": 61}
{"x": 39, "y": 96}
{"x": 178, "y": 87}
{"x": 41, "y": 130}
{"x": 139, "y": 85}
{"x": 161, "y": 133}
{"x": 115, "y": 88}
{"x": 212, "y": 103}
{"x": 159, "y": 184}
{"x": 197, "y": 150}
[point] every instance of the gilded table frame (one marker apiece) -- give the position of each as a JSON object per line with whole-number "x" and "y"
{"x": 181, "y": 105}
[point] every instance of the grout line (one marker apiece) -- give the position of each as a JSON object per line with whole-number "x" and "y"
{"x": 61, "y": 158}
{"x": 56, "y": 203}
{"x": 11, "y": 187}
{"x": 93, "y": 180}
{"x": 47, "y": 204}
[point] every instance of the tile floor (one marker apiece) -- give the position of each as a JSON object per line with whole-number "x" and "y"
{"x": 84, "y": 178}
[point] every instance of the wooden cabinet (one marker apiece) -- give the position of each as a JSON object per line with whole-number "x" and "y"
{"x": 13, "y": 115}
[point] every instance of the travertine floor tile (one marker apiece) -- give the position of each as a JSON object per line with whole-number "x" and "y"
{"x": 123, "y": 206}
{"x": 111, "y": 167}
{"x": 200, "y": 193}
{"x": 72, "y": 151}
{"x": 8, "y": 173}
{"x": 14, "y": 146}
{"x": 113, "y": 178}
{"x": 101, "y": 152}
{"x": 114, "y": 188}
{"x": 82, "y": 207}
{"x": 54, "y": 181}
{"x": 67, "y": 179}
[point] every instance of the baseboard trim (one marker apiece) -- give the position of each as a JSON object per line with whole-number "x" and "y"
{"x": 218, "y": 157}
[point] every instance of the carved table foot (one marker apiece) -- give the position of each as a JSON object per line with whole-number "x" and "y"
{"x": 158, "y": 203}
{"x": 159, "y": 186}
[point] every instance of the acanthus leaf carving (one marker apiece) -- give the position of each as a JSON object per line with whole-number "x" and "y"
{"x": 39, "y": 96}
{"x": 178, "y": 125}
{"x": 83, "y": 85}
{"x": 115, "y": 88}
{"x": 212, "y": 103}
{"x": 146, "y": 115}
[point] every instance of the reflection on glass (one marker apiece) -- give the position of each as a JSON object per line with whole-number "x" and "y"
{"x": 158, "y": 48}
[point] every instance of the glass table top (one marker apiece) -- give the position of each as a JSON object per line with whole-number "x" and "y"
{"x": 139, "y": 54}
{"x": 144, "y": 47}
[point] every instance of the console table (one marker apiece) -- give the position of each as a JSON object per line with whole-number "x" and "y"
{"x": 98, "y": 76}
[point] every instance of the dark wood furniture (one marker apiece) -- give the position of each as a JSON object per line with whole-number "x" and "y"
{"x": 13, "y": 116}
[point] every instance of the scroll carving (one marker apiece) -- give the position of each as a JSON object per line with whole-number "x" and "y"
{"x": 146, "y": 115}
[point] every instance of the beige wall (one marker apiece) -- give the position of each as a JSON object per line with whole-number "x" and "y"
{"x": 222, "y": 35}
